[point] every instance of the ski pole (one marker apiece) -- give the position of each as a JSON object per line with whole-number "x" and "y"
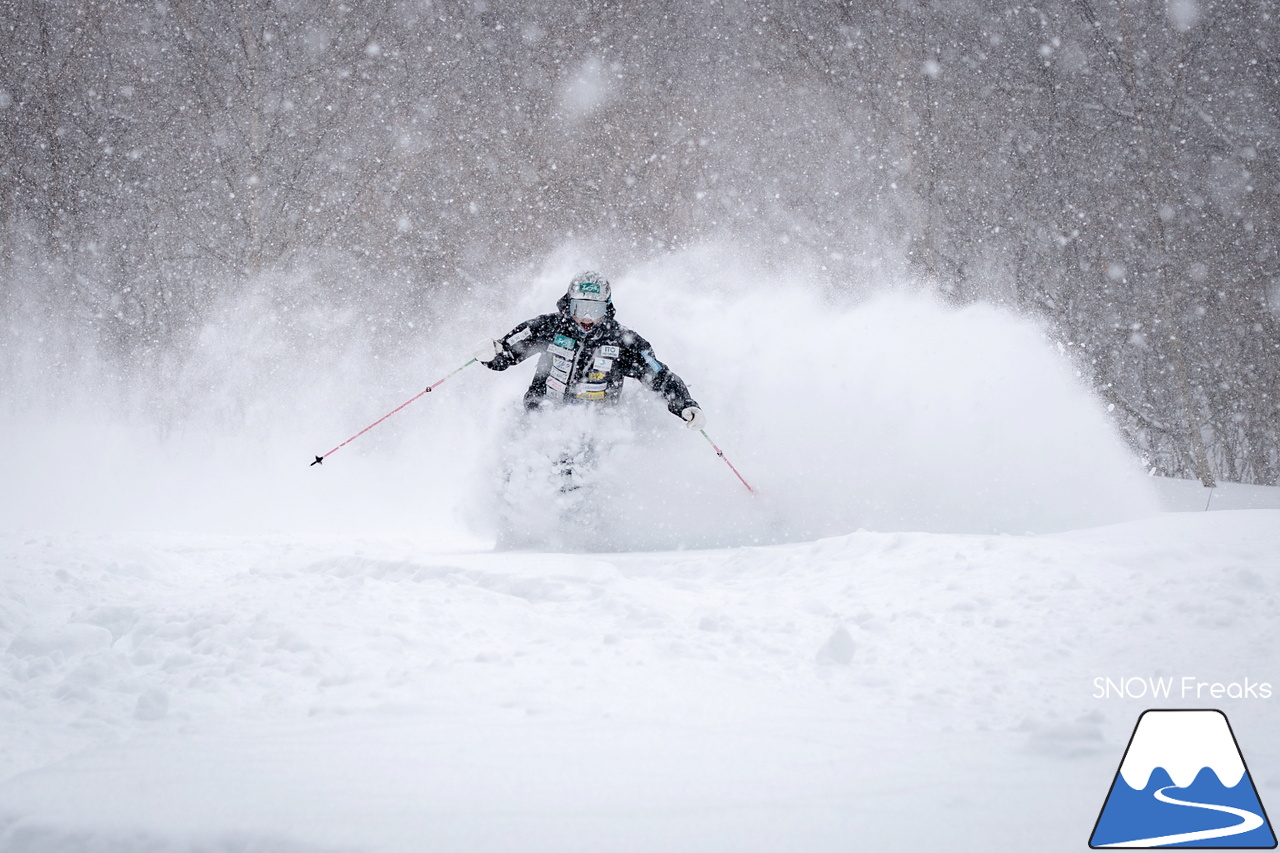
{"x": 430, "y": 388}
{"x": 720, "y": 453}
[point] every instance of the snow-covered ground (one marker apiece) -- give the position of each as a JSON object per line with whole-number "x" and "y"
{"x": 205, "y": 645}
{"x": 888, "y": 691}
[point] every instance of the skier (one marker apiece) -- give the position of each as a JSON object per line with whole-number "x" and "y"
{"x": 586, "y": 354}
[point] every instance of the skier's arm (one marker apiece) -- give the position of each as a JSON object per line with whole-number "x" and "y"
{"x": 644, "y": 365}
{"x": 675, "y": 392}
{"x": 515, "y": 346}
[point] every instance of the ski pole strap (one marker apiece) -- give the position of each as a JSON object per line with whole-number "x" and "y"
{"x": 430, "y": 388}
{"x": 720, "y": 453}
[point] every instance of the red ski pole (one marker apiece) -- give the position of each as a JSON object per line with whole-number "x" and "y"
{"x": 430, "y": 388}
{"x": 720, "y": 453}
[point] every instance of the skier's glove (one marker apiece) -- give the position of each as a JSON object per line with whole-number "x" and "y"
{"x": 694, "y": 418}
{"x": 487, "y": 350}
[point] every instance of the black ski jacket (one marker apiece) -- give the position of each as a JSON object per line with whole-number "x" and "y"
{"x": 577, "y": 366}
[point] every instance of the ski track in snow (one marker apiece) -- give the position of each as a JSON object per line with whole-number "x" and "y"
{"x": 170, "y": 691}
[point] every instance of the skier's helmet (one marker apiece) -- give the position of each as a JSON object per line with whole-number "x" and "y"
{"x": 589, "y": 297}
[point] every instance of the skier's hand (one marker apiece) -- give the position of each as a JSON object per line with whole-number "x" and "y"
{"x": 487, "y": 350}
{"x": 694, "y": 418}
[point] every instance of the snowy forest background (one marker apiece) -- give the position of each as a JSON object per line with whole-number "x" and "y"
{"x": 1108, "y": 166}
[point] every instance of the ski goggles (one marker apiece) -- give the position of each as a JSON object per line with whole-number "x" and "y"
{"x": 588, "y": 309}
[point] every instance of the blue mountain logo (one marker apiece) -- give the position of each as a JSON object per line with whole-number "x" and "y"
{"x": 1183, "y": 783}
